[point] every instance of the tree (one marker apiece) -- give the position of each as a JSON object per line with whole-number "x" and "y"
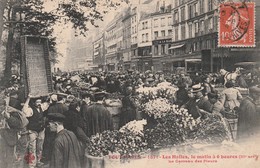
{"x": 36, "y": 21}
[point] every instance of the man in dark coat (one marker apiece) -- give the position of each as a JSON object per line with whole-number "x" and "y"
{"x": 129, "y": 111}
{"x": 9, "y": 137}
{"x": 201, "y": 101}
{"x": 98, "y": 117}
{"x": 66, "y": 149}
{"x": 86, "y": 100}
{"x": 248, "y": 117}
{"x": 181, "y": 94}
{"x": 57, "y": 106}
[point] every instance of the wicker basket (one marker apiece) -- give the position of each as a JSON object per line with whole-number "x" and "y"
{"x": 233, "y": 127}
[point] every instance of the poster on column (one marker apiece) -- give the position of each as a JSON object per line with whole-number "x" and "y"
{"x": 35, "y": 66}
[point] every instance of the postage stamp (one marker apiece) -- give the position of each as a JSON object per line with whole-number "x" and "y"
{"x": 236, "y": 24}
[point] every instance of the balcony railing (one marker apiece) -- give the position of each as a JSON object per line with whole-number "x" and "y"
{"x": 163, "y": 37}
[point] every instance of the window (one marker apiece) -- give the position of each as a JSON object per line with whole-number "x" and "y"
{"x": 169, "y": 21}
{"x": 163, "y": 22}
{"x": 208, "y": 44}
{"x": 169, "y": 51}
{"x": 146, "y": 36}
{"x": 156, "y": 23}
{"x": 176, "y": 17}
{"x": 156, "y": 49}
{"x": 195, "y": 9}
{"x": 176, "y": 3}
{"x": 210, "y": 23}
{"x": 183, "y": 32}
{"x": 190, "y": 30}
{"x": 146, "y": 24}
{"x": 190, "y": 11}
{"x": 176, "y": 33}
{"x": 163, "y": 33}
{"x": 215, "y": 22}
{"x": 202, "y": 26}
{"x": 155, "y": 34}
{"x": 182, "y": 13}
{"x": 169, "y": 32}
{"x": 202, "y": 6}
{"x": 181, "y": 1}
{"x": 143, "y": 37}
{"x": 143, "y": 26}
{"x": 163, "y": 49}
{"x": 196, "y": 27}
{"x": 210, "y": 5}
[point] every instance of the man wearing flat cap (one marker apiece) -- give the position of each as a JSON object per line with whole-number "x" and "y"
{"x": 66, "y": 149}
{"x": 248, "y": 116}
{"x": 98, "y": 118}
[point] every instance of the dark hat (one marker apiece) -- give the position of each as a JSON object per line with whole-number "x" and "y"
{"x": 100, "y": 95}
{"x": 212, "y": 96}
{"x": 86, "y": 94}
{"x": 149, "y": 79}
{"x": 197, "y": 88}
{"x": 56, "y": 117}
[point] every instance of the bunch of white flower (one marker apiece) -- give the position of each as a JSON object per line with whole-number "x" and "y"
{"x": 184, "y": 119}
{"x": 134, "y": 127}
{"x": 157, "y": 107}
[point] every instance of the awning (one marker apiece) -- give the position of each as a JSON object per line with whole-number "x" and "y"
{"x": 193, "y": 60}
{"x": 177, "y": 46}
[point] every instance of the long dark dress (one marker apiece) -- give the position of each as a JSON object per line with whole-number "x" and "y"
{"x": 66, "y": 151}
{"x": 128, "y": 110}
{"x": 247, "y": 119}
{"x": 98, "y": 119}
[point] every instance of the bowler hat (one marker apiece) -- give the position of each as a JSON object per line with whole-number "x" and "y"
{"x": 56, "y": 117}
{"x": 99, "y": 95}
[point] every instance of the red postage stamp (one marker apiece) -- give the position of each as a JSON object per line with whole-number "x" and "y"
{"x": 237, "y": 24}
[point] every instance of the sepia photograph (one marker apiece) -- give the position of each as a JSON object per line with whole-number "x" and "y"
{"x": 129, "y": 83}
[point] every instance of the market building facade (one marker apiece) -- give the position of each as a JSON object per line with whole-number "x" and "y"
{"x": 99, "y": 59}
{"x": 195, "y": 39}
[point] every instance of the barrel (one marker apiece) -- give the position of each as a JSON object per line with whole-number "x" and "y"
{"x": 94, "y": 162}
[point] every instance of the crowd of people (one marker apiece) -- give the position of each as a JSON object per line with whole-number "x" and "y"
{"x": 61, "y": 124}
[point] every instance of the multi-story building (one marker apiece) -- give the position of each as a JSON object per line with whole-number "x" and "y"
{"x": 137, "y": 12}
{"x": 195, "y": 39}
{"x": 113, "y": 43}
{"x": 144, "y": 56}
{"x": 99, "y": 52}
{"x": 161, "y": 37}
{"x": 79, "y": 54}
{"x": 126, "y": 48}
{"x": 194, "y": 34}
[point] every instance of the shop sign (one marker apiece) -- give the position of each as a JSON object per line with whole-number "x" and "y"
{"x": 164, "y": 41}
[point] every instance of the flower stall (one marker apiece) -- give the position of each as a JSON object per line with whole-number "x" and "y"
{"x": 164, "y": 125}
